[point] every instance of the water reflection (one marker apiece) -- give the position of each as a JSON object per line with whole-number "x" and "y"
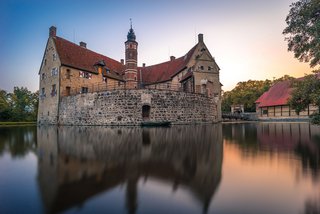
{"x": 77, "y": 163}
{"x": 302, "y": 139}
{"x": 17, "y": 141}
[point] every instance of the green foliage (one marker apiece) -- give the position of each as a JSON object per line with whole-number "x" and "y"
{"x": 21, "y": 105}
{"x": 306, "y": 91}
{"x": 315, "y": 119}
{"x": 5, "y": 108}
{"x": 245, "y": 93}
{"x": 303, "y": 31}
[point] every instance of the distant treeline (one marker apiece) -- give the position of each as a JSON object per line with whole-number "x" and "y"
{"x": 246, "y": 93}
{"x": 21, "y": 105}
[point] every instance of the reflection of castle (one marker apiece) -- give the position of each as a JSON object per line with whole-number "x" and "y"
{"x": 76, "y": 163}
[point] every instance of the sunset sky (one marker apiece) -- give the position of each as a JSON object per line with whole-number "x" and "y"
{"x": 245, "y": 37}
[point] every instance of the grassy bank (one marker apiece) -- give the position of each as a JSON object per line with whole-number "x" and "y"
{"x": 17, "y": 123}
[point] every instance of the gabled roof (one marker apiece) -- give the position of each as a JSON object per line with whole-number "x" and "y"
{"x": 75, "y": 56}
{"x": 82, "y": 58}
{"x": 164, "y": 71}
{"x": 278, "y": 94}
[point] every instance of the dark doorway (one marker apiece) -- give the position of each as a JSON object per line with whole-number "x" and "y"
{"x": 145, "y": 112}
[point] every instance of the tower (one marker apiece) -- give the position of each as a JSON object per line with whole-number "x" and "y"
{"x": 131, "y": 70}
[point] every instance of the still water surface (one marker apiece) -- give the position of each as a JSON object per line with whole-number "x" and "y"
{"x": 222, "y": 168}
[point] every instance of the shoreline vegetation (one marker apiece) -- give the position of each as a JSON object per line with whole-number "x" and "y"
{"x": 32, "y": 123}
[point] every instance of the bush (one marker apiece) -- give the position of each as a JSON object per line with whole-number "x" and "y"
{"x": 315, "y": 119}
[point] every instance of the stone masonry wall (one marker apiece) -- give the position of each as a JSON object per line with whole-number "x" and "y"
{"x": 124, "y": 107}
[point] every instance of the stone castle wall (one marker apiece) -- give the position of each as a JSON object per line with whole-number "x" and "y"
{"x": 124, "y": 107}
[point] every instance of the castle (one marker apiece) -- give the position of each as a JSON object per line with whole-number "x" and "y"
{"x": 81, "y": 87}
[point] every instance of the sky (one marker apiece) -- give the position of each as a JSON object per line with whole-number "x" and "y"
{"x": 245, "y": 37}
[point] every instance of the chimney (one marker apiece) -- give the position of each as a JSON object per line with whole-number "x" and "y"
{"x": 143, "y": 64}
{"x": 122, "y": 61}
{"x": 200, "y": 37}
{"x": 83, "y": 44}
{"x": 172, "y": 58}
{"x": 52, "y": 31}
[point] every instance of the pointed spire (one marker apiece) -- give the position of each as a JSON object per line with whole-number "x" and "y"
{"x": 131, "y": 35}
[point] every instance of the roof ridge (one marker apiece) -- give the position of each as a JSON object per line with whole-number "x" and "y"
{"x": 85, "y": 49}
{"x": 179, "y": 58}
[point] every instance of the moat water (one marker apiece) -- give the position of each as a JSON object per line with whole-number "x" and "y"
{"x": 221, "y": 168}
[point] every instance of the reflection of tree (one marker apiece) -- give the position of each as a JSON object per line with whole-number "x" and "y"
{"x": 310, "y": 158}
{"x": 301, "y": 139}
{"x": 312, "y": 206}
{"x": 243, "y": 134}
{"x": 18, "y": 141}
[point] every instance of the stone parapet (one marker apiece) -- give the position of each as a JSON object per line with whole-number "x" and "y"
{"x": 131, "y": 107}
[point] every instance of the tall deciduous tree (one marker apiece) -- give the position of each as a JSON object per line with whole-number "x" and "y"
{"x": 303, "y": 31}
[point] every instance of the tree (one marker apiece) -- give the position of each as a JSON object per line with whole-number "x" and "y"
{"x": 303, "y": 31}
{"x": 5, "y": 110}
{"x": 245, "y": 93}
{"x": 306, "y": 92}
{"x": 21, "y": 105}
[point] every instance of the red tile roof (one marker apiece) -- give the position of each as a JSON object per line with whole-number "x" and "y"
{"x": 164, "y": 71}
{"x": 82, "y": 58}
{"x": 278, "y": 94}
{"x": 75, "y": 56}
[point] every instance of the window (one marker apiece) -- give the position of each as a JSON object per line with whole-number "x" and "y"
{"x": 201, "y": 67}
{"x": 43, "y": 93}
{"x": 265, "y": 111}
{"x": 53, "y": 90}
{"x": 209, "y": 68}
{"x": 104, "y": 79}
{"x": 54, "y": 57}
{"x": 84, "y": 74}
{"x": 45, "y": 61}
{"x": 84, "y": 90}
{"x": 68, "y": 90}
{"x": 43, "y": 76}
{"x": 54, "y": 71}
{"x": 68, "y": 74}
